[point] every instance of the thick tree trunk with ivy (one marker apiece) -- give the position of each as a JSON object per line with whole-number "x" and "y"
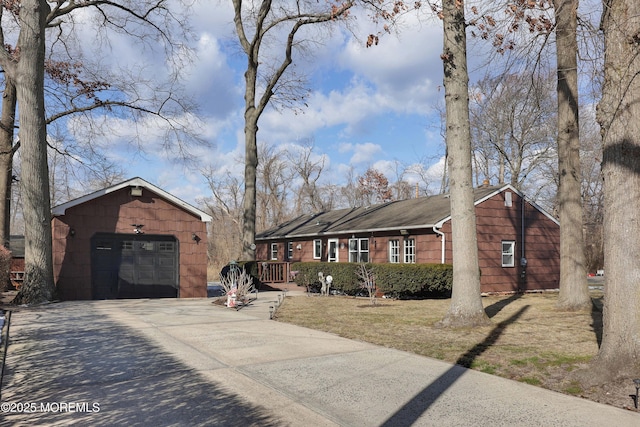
{"x": 619, "y": 118}
{"x": 574, "y": 294}
{"x": 7, "y": 125}
{"x": 29, "y": 79}
{"x": 466, "y": 308}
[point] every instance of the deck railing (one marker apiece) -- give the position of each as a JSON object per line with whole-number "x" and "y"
{"x": 274, "y": 272}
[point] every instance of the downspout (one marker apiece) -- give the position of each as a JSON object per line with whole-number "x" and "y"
{"x": 523, "y": 259}
{"x": 435, "y": 230}
{"x": 522, "y": 201}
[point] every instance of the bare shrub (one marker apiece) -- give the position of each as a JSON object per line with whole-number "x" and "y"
{"x": 237, "y": 281}
{"x": 367, "y": 281}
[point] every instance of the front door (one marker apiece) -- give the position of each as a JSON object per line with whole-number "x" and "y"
{"x": 332, "y": 250}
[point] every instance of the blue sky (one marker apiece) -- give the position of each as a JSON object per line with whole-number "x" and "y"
{"x": 367, "y": 107}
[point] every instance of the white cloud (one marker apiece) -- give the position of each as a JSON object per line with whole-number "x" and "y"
{"x": 364, "y": 153}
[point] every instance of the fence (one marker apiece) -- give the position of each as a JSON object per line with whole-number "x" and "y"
{"x": 274, "y": 272}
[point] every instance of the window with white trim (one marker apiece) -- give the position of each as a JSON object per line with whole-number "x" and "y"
{"x": 409, "y": 251}
{"x": 274, "y": 251}
{"x": 394, "y": 251}
{"x": 289, "y": 251}
{"x": 508, "y": 253}
{"x": 317, "y": 249}
{"x": 358, "y": 250}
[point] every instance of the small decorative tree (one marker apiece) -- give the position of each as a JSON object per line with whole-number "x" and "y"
{"x": 367, "y": 281}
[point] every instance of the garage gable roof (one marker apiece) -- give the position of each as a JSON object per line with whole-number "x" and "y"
{"x": 134, "y": 182}
{"x": 411, "y": 214}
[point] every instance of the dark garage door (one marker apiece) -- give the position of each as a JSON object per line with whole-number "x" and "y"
{"x": 134, "y": 266}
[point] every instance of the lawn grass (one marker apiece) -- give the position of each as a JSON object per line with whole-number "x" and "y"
{"x": 529, "y": 339}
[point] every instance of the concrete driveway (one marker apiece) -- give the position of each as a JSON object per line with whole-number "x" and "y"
{"x": 193, "y": 363}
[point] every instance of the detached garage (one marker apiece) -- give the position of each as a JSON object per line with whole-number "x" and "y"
{"x": 131, "y": 240}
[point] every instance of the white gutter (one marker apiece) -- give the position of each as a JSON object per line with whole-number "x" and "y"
{"x": 443, "y": 240}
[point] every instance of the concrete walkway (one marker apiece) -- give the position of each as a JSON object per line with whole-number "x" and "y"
{"x": 193, "y": 363}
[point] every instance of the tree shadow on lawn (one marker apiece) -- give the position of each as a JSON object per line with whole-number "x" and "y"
{"x": 412, "y": 410}
{"x": 596, "y": 318}
{"x": 497, "y": 306}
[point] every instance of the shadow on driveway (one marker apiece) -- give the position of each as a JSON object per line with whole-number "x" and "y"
{"x": 59, "y": 356}
{"x": 409, "y": 413}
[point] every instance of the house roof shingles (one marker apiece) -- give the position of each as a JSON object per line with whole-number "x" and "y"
{"x": 422, "y": 212}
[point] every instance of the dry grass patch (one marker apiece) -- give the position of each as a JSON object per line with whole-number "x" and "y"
{"x": 529, "y": 340}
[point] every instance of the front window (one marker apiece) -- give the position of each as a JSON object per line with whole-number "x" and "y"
{"x": 358, "y": 250}
{"x": 317, "y": 249}
{"x": 274, "y": 251}
{"x": 289, "y": 251}
{"x": 508, "y": 253}
{"x": 410, "y": 251}
{"x": 394, "y": 251}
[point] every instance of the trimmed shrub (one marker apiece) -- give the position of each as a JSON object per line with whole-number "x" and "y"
{"x": 414, "y": 280}
{"x": 5, "y": 267}
{"x": 344, "y": 274}
{"x": 396, "y": 280}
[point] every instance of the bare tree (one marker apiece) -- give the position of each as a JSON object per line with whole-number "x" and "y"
{"x": 574, "y": 294}
{"x": 256, "y": 24}
{"x": 348, "y": 191}
{"x": 367, "y": 279}
{"x": 268, "y": 78}
{"x": 225, "y": 206}
{"x": 535, "y": 18}
{"x": 466, "y": 304}
{"x": 81, "y": 93}
{"x": 7, "y": 150}
{"x": 309, "y": 168}
{"x": 272, "y": 182}
{"x": 512, "y": 122}
{"x": 619, "y": 118}
{"x": 592, "y": 194}
{"x": 24, "y": 63}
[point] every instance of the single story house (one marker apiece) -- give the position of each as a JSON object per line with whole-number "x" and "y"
{"x": 518, "y": 242}
{"x": 131, "y": 240}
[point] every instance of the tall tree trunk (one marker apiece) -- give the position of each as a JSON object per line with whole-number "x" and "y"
{"x": 38, "y": 283}
{"x": 574, "y": 294}
{"x": 466, "y": 304}
{"x": 619, "y": 118}
{"x": 7, "y": 125}
{"x": 251, "y": 116}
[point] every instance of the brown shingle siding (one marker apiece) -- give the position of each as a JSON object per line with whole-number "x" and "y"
{"x": 114, "y": 212}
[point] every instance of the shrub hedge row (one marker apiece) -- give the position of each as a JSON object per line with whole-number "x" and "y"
{"x": 396, "y": 280}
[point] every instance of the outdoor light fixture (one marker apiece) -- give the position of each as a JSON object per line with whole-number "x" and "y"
{"x": 137, "y": 228}
{"x": 195, "y": 237}
{"x": 72, "y": 232}
{"x": 136, "y": 191}
{"x": 404, "y": 232}
{"x": 299, "y": 247}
